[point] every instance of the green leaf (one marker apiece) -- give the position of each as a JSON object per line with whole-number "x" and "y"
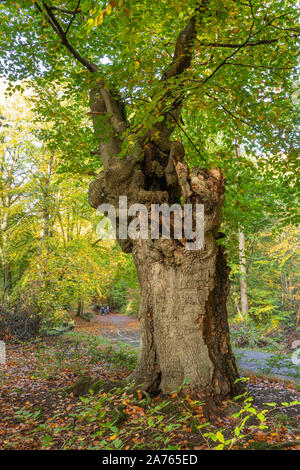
{"x": 220, "y": 437}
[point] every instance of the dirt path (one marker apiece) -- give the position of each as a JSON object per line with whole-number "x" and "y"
{"x": 279, "y": 365}
{"x": 120, "y": 328}
{"x": 113, "y": 326}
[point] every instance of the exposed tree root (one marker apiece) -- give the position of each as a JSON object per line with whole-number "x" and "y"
{"x": 85, "y": 384}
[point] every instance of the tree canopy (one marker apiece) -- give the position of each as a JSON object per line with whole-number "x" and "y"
{"x": 241, "y": 81}
{"x": 240, "y": 88}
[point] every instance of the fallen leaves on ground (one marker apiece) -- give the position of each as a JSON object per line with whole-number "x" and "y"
{"x": 36, "y": 413}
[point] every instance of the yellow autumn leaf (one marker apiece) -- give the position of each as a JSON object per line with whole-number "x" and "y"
{"x": 108, "y": 9}
{"x": 99, "y": 19}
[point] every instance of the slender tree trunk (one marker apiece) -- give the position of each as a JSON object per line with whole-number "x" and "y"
{"x": 6, "y": 271}
{"x": 46, "y": 215}
{"x": 298, "y": 318}
{"x": 80, "y": 307}
{"x": 6, "y": 283}
{"x": 237, "y": 306}
{"x": 243, "y": 270}
{"x": 242, "y": 257}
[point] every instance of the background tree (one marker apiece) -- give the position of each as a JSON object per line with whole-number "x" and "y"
{"x": 51, "y": 254}
{"x": 16, "y": 154}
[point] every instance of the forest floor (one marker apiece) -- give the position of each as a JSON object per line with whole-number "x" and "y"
{"x": 38, "y": 413}
{"x": 120, "y": 328}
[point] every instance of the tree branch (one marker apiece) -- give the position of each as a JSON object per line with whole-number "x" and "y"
{"x": 249, "y": 44}
{"x": 60, "y": 32}
{"x": 237, "y": 118}
{"x": 181, "y": 60}
{"x": 73, "y": 17}
{"x": 234, "y": 46}
{"x": 68, "y": 12}
{"x": 224, "y": 61}
{"x": 182, "y": 56}
{"x": 259, "y": 66}
{"x": 111, "y": 101}
{"x": 245, "y": 43}
{"x": 188, "y": 137}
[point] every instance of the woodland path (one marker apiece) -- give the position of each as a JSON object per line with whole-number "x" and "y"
{"x": 120, "y": 328}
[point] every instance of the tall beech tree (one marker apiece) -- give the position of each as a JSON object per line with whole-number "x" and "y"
{"x": 155, "y": 71}
{"x": 16, "y": 162}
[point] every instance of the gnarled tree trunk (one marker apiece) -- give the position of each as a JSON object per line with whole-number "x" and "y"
{"x": 183, "y": 316}
{"x": 183, "y": 322}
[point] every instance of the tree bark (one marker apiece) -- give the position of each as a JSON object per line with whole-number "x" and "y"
{"x": 183, "y": 322}
{"x": 183, "y": 316}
